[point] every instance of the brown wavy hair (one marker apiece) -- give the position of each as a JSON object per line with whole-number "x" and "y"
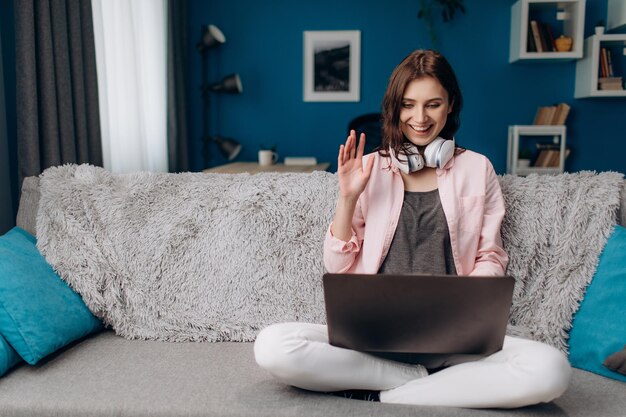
{"x": 420, "y": 63}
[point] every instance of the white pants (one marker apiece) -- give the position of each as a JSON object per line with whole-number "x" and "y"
{"x": 524, "y": 372}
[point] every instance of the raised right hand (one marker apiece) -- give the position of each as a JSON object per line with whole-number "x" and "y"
{"x": 352, "y": 177}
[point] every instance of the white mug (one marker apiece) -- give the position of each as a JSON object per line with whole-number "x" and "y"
{"x": 267, "y": 157}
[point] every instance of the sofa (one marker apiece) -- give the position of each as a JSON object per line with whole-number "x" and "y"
{"x": 115, "y": 372}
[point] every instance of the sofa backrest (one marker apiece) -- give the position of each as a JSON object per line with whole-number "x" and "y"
{"x": 29, "y": 202}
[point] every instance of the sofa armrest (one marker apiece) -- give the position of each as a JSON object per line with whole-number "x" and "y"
{"x": 29, "y": 204}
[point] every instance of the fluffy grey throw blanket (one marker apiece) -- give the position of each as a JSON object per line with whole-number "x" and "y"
{"x": 554, "y": 231}
{"x": 188, "y": 257}
{"x": 216, "y": 257}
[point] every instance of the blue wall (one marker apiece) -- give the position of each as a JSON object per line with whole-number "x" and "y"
{"x": 264, "y": 45}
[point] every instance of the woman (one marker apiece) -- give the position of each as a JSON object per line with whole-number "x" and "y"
{"x": 420, "y": 204}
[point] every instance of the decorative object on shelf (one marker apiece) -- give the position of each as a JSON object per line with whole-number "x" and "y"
{"x": 449, "y": 9}
{"x": 599, "y": 29}
{"x": 332, "y": 65}
{"x": 563, "y": 15}
{"x": 211, "y": 38}
{"x": 563, "y": 43}
{"x": 536, "y": 25}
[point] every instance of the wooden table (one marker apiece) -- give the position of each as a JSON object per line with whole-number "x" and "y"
{"x": 254, "y": 168}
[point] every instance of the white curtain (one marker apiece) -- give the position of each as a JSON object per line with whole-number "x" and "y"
{"x": 131, "y": 40}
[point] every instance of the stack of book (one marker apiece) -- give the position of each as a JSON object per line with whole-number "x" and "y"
{"x": 549, "y": 155}
{"x": 540, "y": 37}
{"x": 607, "y": 79}
{"x": 552, "y": 115}
{"x": 610, "y": 83}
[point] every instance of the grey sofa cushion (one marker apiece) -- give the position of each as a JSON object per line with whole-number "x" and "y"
{"x": 29, "y": 204}
{"x": 107, "y": 375}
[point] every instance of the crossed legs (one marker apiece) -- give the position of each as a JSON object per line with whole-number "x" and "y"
{"x": 524, "y": 372}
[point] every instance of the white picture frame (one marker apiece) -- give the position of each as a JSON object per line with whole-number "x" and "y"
{"x": 332, "y": 65}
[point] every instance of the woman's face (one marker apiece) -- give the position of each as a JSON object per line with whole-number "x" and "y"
{"x": 424, "y": 110}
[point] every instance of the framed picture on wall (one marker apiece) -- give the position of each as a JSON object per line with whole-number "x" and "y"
{"x": 332, "y": 65}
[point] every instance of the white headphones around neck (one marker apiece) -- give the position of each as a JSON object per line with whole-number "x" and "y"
{"x": 436, "y": 155}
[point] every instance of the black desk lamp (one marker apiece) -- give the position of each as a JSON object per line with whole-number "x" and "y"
{"x": 212, "y": 37}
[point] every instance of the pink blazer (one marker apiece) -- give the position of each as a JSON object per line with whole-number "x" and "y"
{"x": 472, "y": 202}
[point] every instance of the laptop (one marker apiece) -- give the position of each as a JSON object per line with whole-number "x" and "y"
{"x": 417, "y": 313}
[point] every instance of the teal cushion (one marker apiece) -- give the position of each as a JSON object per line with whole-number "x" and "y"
{"x": 8, "y": 356}
{"x": 39, "y": 312}
{"x": 599, "y": 326}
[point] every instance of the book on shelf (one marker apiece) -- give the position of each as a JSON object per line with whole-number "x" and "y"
{"x": 606, "y": 64}
{"x": 562, "y": 111}
{"x": 610, "y": 83}
{"x": 607, "y": 80}
{"x": 604, "y": 71}
{"x": 534, "y": 27}
{"x": 609, "y": 62}
{"x": 540, "y": 37}
{"x": 549, "y": 155}
{"x": 552, "y": 115}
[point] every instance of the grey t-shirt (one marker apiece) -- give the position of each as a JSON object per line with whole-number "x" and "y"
{"x": 421, "y": 243}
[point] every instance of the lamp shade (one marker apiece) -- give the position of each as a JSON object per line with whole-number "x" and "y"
{"x": 229, "y": 84}
{"x": 229, "y": 147}
{"x": 212, "y": 37}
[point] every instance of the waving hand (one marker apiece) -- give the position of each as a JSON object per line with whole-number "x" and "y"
{"x": 352, "y": 177}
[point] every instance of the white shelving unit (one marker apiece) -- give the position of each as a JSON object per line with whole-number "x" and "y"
{"x": 587, "y": 69}
{"x": 518, "y": 132}
{"x": 571, "y": 12}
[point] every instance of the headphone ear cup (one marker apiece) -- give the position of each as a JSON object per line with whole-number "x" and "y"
{"x": 416, "y": 162}
{"x": 409, "y": 163}
{"x": 438, "y": 152}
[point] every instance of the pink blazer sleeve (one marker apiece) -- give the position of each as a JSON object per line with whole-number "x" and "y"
{"x": 339, "y": 256}
{"x": 491, "y": 259}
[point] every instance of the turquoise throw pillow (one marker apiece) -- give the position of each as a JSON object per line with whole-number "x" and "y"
{"x": 599, "y": 326}
{"x": 8, "y": 357}
{"x": 39, "y": 312}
